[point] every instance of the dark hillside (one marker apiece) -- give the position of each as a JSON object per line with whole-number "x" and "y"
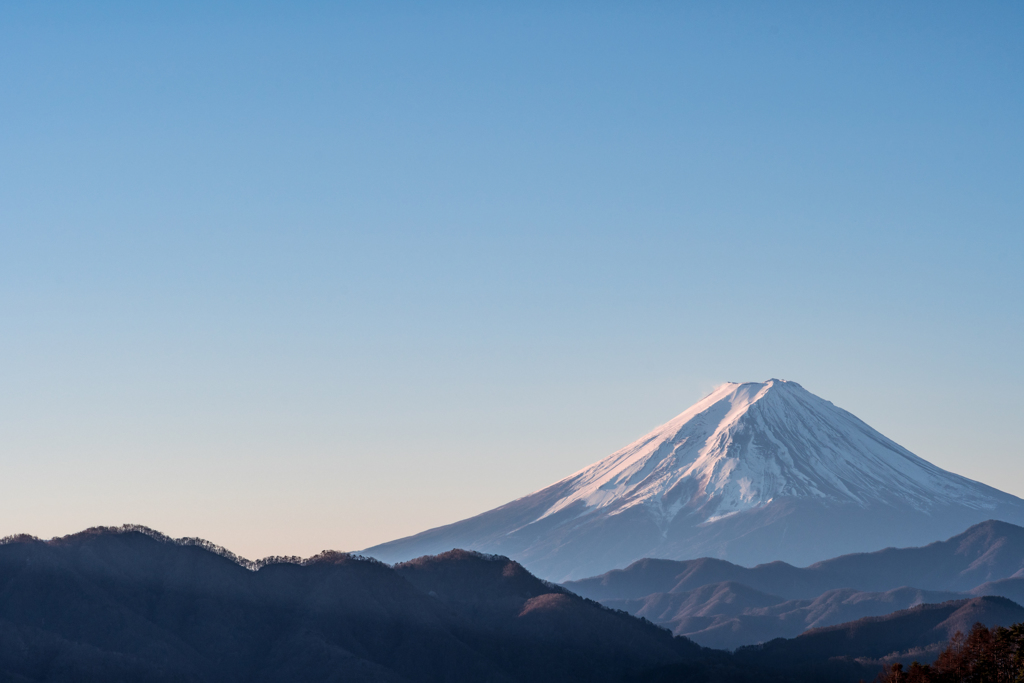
{"x": 729, "y": 615}
{"x": 569, "y": 634}
{"x": 128, "y": 605}
{"x": 925, "y": 628}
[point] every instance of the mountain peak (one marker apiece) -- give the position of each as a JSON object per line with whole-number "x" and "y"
{"x": 753, "y": 472}
{"x": 768, "y": 383}
{"x": 745, "y": 444}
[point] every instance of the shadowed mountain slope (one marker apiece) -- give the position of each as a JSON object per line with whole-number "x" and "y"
{"x": 921, "y": 632}
{"x": 1012, "y": 588}
{"x": 128, "y": 605}
{"x": 985, "y": 552}
{"x": 729, "y": 615}
{"x": 856, "y": 651}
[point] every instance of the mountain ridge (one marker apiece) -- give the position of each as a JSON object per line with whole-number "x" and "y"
{"x": 987, "y": 552}
{"x": 918, "y": 633}
{"x": 123, "y": 605}
{"x": 722, "y": 605}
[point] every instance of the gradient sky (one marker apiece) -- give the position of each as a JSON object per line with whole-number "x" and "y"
{"x": 294, "y": 276}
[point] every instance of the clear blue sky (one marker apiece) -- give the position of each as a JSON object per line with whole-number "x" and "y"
{"x": 292, "y": 276}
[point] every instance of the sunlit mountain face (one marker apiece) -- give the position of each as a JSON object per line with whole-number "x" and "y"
{"x": 752, "y": 473}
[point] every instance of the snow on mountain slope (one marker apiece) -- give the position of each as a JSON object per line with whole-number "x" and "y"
{"x": 751, "y": 473}
{"x": 745, "y": 444}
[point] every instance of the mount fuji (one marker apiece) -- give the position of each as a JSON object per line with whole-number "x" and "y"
{"x": 752, "y": 473}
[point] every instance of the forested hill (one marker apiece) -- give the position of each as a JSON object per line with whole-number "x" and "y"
{"x": 131, "y": 605}
{"x": 111, "y": 604}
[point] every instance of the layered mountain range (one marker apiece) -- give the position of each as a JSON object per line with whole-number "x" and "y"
{"x": 723, "y": 605}
{"x": 916, "y": 634}
{"x": 752, "y": 473}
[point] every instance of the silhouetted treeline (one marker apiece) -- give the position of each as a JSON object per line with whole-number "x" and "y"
{"x": 983, "y": 656}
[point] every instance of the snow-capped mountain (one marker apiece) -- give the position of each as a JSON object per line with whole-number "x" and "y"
{"x": 752, "y": 473}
